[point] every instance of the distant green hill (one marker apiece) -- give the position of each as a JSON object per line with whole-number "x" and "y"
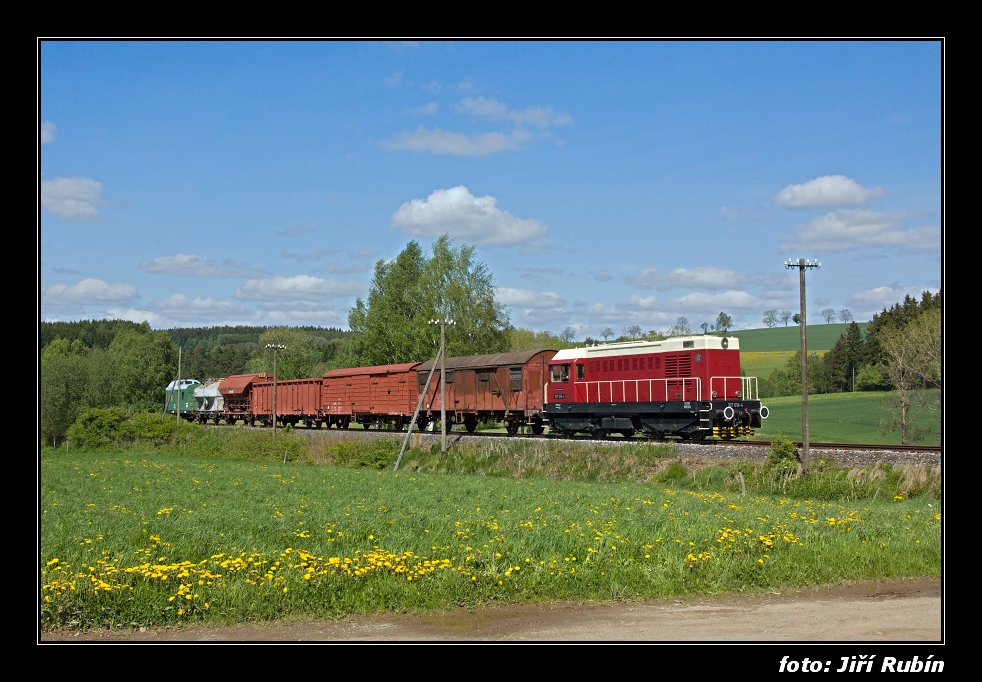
{"x": 820, "y": 337}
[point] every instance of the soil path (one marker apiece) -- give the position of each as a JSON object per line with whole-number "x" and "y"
{"x": 905, "y": 611}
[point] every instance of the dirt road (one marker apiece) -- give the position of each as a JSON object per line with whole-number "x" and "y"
{"x": 905, "y": 611}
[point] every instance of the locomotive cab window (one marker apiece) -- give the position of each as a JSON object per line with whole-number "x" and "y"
{"x": 580, "y": 372}
{"x": 560, "y": 373}
{"x": 515, "y": 378}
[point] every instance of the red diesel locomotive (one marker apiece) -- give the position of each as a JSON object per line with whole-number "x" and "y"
{"x": 686, "y": 387}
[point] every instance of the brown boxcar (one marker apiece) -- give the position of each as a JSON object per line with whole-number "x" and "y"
{"x": 370, "y": 395}
{"x": 237, "y": 393}
{"x": 506, "y": 387}
{"x": 297, "y": 400}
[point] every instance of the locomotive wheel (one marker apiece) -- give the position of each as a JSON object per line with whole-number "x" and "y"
{"x": 600, "y": 434}
{"x": 628, "y": 433}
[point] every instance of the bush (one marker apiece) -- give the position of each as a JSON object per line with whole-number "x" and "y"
{"x": 99, "y": 427}
{"x": 102, "y": 427}
{"x": 783, "y": 454}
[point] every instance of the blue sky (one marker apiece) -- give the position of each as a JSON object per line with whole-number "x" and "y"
{"x": 604, "y": 184}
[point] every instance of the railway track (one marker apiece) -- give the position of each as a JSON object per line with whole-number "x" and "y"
{"x": 690, "y": 445}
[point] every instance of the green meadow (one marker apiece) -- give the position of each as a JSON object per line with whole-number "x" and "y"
{"x": 840, "y": 418}
{"x": 821, "y": 337}
{"x": 141, "y": 537}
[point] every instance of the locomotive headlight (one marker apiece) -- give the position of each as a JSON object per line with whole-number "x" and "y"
{"x": 739, "y": 394}
{"x": 714, "y": 395}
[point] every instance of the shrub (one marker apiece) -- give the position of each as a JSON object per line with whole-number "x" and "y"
{"x": 98, "y": 427}
{"x": 783, "y": 453}
{"x": 672, "y": 473}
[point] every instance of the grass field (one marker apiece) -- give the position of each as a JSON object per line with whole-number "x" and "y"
{"x": 836, "y": 418}
{"x": 132, "y": 538}
{"x": 762, "y": 364}
{"x": 821, "y": 337}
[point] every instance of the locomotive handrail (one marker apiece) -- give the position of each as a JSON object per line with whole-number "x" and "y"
{"x": 748, "y": 386}
{"x": 685, "y": 382}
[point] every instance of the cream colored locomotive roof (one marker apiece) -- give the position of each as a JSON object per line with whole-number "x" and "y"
{"x": 673, "y": 345}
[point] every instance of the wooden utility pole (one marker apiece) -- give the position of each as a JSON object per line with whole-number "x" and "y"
{"x": 276, "y": 347}
{"x": 443, "y": 380}
{"x": 801, "y": 264}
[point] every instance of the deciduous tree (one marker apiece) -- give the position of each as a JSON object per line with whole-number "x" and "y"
{"x": 296, "y": 361}
{"x": 723, "y": 323}
{"x": 392, "y": 325}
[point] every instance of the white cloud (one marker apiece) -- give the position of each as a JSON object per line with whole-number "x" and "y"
{"x": 297, "y": 288}
{"x": 189, "y": 265}
{"x": 136, "y": 315}
{"x": 542, "y": 117}
{"x": 300, "y": 312}
{"x": 874, "y": 300}
{"x": 47, "y": 132}
{"x": 860, "y": 228}
{"x": 473, "y": 220}
{"x": 726, "y": 301}
{"x": 72, "y": 198}
{"x": 695, "y": 278}
{"x": 180, "y": 307}
{"x": 826, "y": 191}
{"x": 306, "y": 317}
{"x": 88, "y": 291}
{"x": 643, "y": 303}
{"x": 527, "y": 298}
{"x": 438, "y": 141}
{"x": 539, "y": 318}
{"x": 427, "y": 109}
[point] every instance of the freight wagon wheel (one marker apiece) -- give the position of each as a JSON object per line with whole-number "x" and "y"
{"x": 538, "y": 429}
{"x": 511, "y": 428}
{"x": 470, "y": 423}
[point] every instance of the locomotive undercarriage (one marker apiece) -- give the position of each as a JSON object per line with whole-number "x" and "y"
{"x": 685, "y": 420}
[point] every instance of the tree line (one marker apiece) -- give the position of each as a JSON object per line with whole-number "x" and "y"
{"x": 116, "y": 363}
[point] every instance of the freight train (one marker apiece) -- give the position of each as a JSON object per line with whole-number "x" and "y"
{"x": 687, "y": 387}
